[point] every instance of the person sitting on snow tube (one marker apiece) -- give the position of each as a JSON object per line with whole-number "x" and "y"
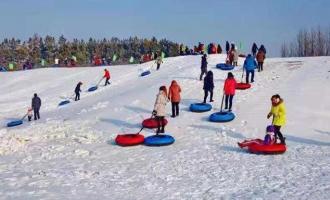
{"x": 270, "y": 135}
{"x": 229, "y": 90}
{"x": 278, "y": 112}
{"x": 159, "y": 109}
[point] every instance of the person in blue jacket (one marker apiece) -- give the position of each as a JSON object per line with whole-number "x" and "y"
{"x": 249, "y": 65}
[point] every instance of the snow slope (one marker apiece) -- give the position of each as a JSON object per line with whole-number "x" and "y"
{"x": 70, "y": 152}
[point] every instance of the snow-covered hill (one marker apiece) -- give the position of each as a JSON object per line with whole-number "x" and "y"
{"x": 70, "y": 153}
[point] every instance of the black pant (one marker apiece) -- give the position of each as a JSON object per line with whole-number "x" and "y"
{"x": 206, "y": 92}
{"x": 175, "y": 109}
{"x": 158, "y": 66}
{"x": 160, "y": 124}
{"x": 29, "y": 118}
{"x": 77, "y": 96}
{"x": 229, "y": 98}
{"x": 36, "y": 113}
{"x": 260, "y": 66}
{"x": 235, "y": 63}
{"x": 203, "y": 71}
{"x": 279, "y": 134}
{"x": 107, "y": 81}
{"x": 247, "y": 76}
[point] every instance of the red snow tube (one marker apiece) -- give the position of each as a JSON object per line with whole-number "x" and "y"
{"x": 129, "y": 139}
{"x": 152, "y": 123}
{"x": 257, "y": 146}
{"x": 267, "y": 149}
{"x": 243, "y": 86}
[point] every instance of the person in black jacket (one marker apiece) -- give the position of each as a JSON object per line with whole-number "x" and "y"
{"x": 254, "y": 49}
{"x": 203, "y": 67}
{"x": 227, "y": 47}
{"x": 208, "y": 86}
{"x": 263, "y": 49}
{"x": 36, "y": 104}
{"x": 77, "y": 91}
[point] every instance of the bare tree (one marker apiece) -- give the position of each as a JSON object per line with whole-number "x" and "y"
{"x": 300, "y": 43}
{"x": 306, "y": 43}
{"x": 284, "y": 50}
{"x": 320, "y": 42}
{"x": 327, "y": 45}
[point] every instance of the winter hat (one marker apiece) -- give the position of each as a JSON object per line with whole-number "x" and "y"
{"x": 230, "y": 75}
{"x": 270, "y": 128}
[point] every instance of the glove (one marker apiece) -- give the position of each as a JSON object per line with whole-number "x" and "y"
{"x": 154, "y": 112}
{"x": 269, "y": 115}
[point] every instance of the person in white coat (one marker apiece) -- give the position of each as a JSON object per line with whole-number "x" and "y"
{"x": 160, "y": 109}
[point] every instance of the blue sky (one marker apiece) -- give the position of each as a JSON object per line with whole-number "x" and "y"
{"x": 268, "y": 22}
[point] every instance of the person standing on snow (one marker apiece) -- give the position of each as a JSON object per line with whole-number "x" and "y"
{"x": 160, "y": 109}
{"x": 231, "y": 55}
{"x": 203, "y": 66}
{"x": 235, "y": 53}
{"x": 263, "y": 49}
{"x": 219, "y": 49}
{"x": 249, "y": 65}
{"x": 254, "y": 49}
{"x": 208, "y": 86}
{"x": 36, "y": 104}
{"x": 77, "y": 91}
{"x": 260, "y": 58}
{"x": 174, "y": 96}
{"x": 159, "y": 61}
{"x": 29, "y": 114}
{"x": 229, "y": 90}
{"x": 278, "y": 112}
{"x": 107, "y": 77}
{"x": 227, "y": 47}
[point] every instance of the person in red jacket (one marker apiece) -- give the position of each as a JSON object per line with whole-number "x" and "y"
{"x": 107, "y": 77}
{"x": 174, "y": 96}
{"x": 229, "y": 90}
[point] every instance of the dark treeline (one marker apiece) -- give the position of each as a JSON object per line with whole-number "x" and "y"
{"x": 42, "y": 51}
{"x": 315, "y": 42}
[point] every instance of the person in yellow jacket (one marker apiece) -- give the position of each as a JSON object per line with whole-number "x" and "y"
{"x": 278, "y": 112}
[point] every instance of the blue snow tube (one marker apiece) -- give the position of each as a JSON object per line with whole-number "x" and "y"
{"x": 63, "y": 102}
{"x": 15, "y": 123}
{"x": 91, "y": 89}
{"x": 200, "y": 107}
{"x": 145, "y": 73}
{"x": 224, "y": 66}
{"x": 158, "y": 140}
{"x": 222, "y": 117}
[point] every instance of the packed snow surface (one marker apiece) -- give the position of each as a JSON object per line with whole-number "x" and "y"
{"x": 71, "y": 154}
